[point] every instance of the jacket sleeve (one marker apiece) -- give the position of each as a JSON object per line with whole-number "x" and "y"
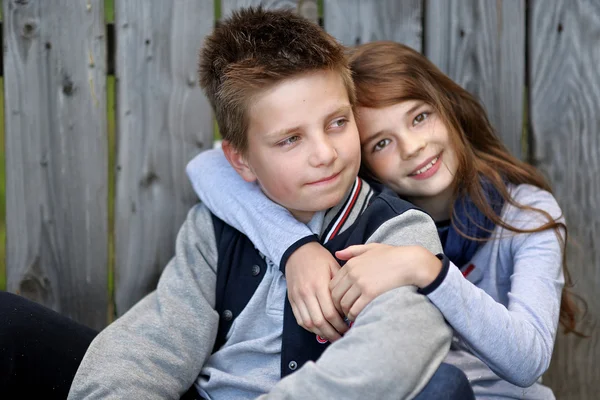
{"x": 244, "y": 206}
{"x": 515, "y": 340}
{"x": 395, "y": 345}
{"x": 157, "y": 348}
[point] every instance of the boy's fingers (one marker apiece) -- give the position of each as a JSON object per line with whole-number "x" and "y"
{"x": 330, "y": 313}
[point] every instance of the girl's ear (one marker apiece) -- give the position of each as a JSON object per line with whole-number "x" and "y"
{"x": 238, "y": 161}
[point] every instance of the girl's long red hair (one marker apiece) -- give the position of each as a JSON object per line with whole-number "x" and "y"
{"x": 386, "y": 73}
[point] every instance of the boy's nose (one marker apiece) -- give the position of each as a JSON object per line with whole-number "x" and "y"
{"x": 324, "y": 153}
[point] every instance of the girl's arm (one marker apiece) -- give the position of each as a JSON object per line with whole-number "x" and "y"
{"x": 241, "y": 204}
{"x": 516, "y": 341}
{"x": 307, "y": 265}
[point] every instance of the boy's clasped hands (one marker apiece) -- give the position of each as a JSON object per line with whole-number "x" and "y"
{"x": 322, "y": 294}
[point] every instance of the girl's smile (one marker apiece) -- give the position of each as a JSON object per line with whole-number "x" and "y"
{"x": 407, "y": 147}
{"x": 427, "y": 169}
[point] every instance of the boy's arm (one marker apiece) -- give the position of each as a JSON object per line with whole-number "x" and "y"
{"x": 156, "y": 350}
{"x": 243, "y": 205}
{"x": 395, "y": 345}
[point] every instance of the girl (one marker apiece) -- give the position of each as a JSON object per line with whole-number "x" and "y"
{"x": 502, "y": 230}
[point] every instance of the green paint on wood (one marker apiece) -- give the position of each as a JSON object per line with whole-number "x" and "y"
{"x": 2, "y": 194}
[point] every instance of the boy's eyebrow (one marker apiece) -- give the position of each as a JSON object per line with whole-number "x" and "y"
{"x": 341, "y": 110}
{"x": 274, "y": 135}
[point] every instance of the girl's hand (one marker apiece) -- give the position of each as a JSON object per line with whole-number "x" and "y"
{"x": 308, "y": 272}
{"x": 374, "y": 269}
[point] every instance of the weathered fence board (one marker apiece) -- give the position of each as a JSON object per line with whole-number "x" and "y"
{"x": 564, "y": 56}
{"x": 361, "y": 21}
{"x": 163, "y": 120}
{"x": 306, "y": 8}
{"x": 56, "y": 155}
{"x": 481, "y": 45}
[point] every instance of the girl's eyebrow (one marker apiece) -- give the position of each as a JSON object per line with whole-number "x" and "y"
{"x": 370, "y": 138}
{"x": 414, "y": 108}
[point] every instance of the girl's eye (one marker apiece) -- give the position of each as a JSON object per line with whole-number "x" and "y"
{"x": 289, "y": 141}
{"x": 420, "y": 118}
{"x": 339, "y": 123}
{"x": 381, "y": 145}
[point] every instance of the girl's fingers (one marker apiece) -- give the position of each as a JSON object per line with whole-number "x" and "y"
{"x": 349, "y": 299}
{"x": 297, "y": 314}
{"x": 331, "y": 314}
{"x": 304, "y": 315}
{"x": 352, "y": 251}
{"x": 319, "y": 324}
{"x": 337, "y": 278}
{"x": 357, "y": 307}
{"x": 339, "y": 290}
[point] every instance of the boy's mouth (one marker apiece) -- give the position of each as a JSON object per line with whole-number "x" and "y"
{"x": 426, "y": 166}
{"x": 326, "y": 179}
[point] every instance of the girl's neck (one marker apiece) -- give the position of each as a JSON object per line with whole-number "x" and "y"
{"x": 439, "y": 207}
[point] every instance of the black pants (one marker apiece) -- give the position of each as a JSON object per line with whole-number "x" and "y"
{"x": 40, "y": 351}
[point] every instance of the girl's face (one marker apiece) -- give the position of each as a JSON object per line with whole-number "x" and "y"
{"x": 407, "y": 147}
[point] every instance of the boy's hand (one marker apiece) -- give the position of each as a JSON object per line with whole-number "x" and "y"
{"x": 308, "y": 272}
{"x": 375, "y": 268}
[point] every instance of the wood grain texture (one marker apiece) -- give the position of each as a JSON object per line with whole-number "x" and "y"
{"x": 307, "y": 8}
{"x": 56, "y": 155}
{"x": 163, "y": 120}
{"x": 481, "y": 46}
{"x": 564, "y": 55}
{"x": 361, "y": 21}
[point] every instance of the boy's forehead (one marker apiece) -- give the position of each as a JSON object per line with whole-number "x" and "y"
{"x": 298, "y": 101}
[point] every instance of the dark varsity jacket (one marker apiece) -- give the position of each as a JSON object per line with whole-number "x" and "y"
{"x": 159, "y": 347}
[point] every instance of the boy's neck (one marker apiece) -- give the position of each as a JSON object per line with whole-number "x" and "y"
{"x": 303, "y": 216}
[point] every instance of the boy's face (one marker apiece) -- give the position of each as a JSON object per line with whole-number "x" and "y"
{"x": 303, "y": 144}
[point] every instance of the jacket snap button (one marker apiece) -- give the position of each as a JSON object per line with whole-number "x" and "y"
{"x": 255, "y": 270}
{"x": 292, "y": 365}
{"x": 227, "y": 315}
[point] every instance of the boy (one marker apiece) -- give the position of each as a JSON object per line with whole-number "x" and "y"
{"x": 219, "y": 318}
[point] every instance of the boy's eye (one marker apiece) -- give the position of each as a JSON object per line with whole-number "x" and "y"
{"x": 339, "y": 123}
{"x": 381, "y": 144}
{"x": 420, "y": 118}
{"x": 289, "y": 141}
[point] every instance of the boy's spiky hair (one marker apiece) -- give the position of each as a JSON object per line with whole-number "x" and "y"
{"x": 255, "y": 49}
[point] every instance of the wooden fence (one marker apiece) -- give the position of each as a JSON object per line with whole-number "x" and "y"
{"x": 534, "y": 65}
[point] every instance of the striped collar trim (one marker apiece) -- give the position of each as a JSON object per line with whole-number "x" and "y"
{"x": 344, "y": 216}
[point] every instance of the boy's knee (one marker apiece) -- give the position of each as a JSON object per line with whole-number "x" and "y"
{"x": 448, "y": 383}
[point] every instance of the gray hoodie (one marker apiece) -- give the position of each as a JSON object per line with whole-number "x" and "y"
{"x": 159, "y": 347}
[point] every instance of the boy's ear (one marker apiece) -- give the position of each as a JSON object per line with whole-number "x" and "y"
{"x": 238, "y": 161}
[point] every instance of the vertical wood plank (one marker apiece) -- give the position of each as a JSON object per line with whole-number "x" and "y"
{"x": 306, "y": 8}
{"x": 361, "y": 21}
{"x": 564, "y": 56}
{"x": 163, "y": 120}
{"x": 56, "y": 155}
{"x": 481, "y": 46}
